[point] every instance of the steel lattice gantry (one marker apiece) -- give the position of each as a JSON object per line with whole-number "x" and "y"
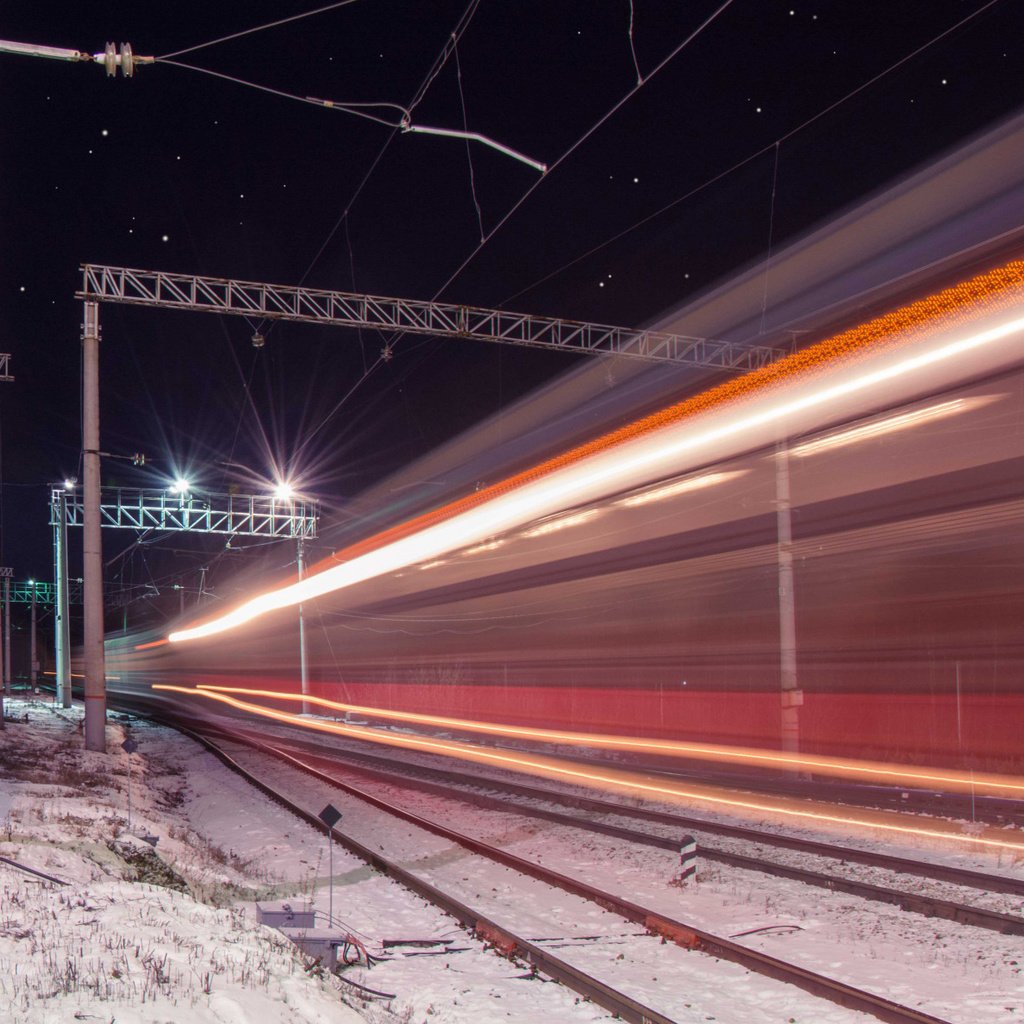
{"x": 141, "y": 509}
{"x": 156, "y": 289}
{"x": 445, "y": 320}
{"x": 243, "y": 515}
{"x": 43, "y": 592}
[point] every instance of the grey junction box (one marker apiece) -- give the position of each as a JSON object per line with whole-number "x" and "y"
{"x": 282, "y": 914}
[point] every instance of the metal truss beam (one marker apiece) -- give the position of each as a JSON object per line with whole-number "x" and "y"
{"x": 344, "y": 309}
{"x": 5, "y": 366}
{"x": 242, "y": 515}
{"x": 45, "y": 593}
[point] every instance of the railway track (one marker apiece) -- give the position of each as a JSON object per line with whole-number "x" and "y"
{"x": 508, "y": 942}
{"x": 904, "y": 865}
{"x": 928, "y": 906}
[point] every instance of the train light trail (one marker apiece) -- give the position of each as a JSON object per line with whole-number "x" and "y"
{"x": 799, "y": 811}
{"x": 902, "y": 775}
{"x": 890, "y": 424}
{"x": 788, "y": 397}
{"x": 562, "y": 523}
{"x": 694, "y": 483}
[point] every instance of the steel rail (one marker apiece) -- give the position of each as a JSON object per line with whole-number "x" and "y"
{"x": 679, "y": 932}
{"x": 498, "y": 936}
{"x": 922, "y": 869}
{"x": 928, "y": 906}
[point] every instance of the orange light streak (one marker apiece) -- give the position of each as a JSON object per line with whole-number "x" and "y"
{"x": 592, "y": 470}
{"x": 152, "y": 643}
{"x": 874, "y": 770}
{"x": 607, "y": 778}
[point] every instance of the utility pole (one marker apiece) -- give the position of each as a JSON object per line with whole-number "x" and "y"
{"x": 92, "y": 543}
{"x": 791, "y": 695}
{"x": 303, "y": 667}
{"x": 5, "y": 691}
{"x": 6, "y": 573}
{"x": 62, "y": 625}
{"x": 33, "y": 655}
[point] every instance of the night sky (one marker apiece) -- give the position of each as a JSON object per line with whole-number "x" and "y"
{"x": 179, "y": 171}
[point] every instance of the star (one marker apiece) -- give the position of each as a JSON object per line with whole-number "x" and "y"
{"x": 104, "y": 133}
{"x": 21, "y": 289}
{"x": 165, "y": 238}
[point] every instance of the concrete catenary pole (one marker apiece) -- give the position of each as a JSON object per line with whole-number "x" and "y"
{"x": 33, "y": 650}
{"x": 7, "y": 636}
{"x": 791, "y": 696}
{"x": 92, "y": 545}
{"x": 62, "y": 631}
{"x": 303, "y": 666}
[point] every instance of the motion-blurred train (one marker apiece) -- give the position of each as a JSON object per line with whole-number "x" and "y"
{"x": 825, "y": 555}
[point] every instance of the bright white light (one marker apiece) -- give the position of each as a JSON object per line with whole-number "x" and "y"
{"x": 612, "y": 470}
{"x": 284, "y": 491}
{"x": 693, "y": 483}
{"x": 180, "y": 486}
{"x": 552, "y": 525}
{"x": 479, "y": 549}
{"x": 69, "y": 484}
{"x": 890, "y": 424}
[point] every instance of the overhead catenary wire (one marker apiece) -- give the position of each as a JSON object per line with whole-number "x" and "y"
{"x": 663, "y": 63}
{"x": 469, "y": 153}
{"x": 354, "y": 108}
{"x": 714, "y": 179}
{"x": 258, "y": 28}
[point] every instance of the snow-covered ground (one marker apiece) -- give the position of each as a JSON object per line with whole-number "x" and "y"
{"x": 170, "y": 935}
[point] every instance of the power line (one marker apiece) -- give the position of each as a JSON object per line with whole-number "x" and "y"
{"x": 258, "y": 28}
{"x": 690, "y": 193}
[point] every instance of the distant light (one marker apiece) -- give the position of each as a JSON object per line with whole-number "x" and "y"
{"x": 69, "y": 483}
{"x": 31, "y": 583}
{"x": 180, "y": 486}
{"x": 165, "y": 238}
{"x": 284, "y": 491}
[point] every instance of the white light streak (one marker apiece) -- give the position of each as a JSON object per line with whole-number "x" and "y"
{"x": 693, "y": 483}
{"x": 890, "y": 425}
{"x": 623, "y": 466}
{"x": 562, "y": 523}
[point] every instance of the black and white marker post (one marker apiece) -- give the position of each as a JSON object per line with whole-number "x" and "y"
{"x": 330, "y": 816}
{"x": 687, "y": 860}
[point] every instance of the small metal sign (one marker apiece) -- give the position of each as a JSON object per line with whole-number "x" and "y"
{"x": 330, "y": 815}
{"x": 129, "y": 746}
